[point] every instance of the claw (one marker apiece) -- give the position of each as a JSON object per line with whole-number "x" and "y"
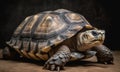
{"x": 105, "y": 63}
{"x": 47, "y": 66}
{"x": 52, "y": 67}
{"x": 58, "y": 69}
{"x": 44, "y": 66}
{"x": 111, "y": 62}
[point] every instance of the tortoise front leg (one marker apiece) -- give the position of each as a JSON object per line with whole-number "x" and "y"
{"x": 59, "y": 59}
{"x": 104, "y": 54}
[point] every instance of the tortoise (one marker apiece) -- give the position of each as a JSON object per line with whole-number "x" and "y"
{"x": 57, "y": 37}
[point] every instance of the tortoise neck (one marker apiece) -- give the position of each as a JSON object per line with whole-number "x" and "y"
{"x": 80, "y": 45}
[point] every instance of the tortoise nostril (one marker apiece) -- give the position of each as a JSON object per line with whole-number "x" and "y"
{"x": 102, "y": 32}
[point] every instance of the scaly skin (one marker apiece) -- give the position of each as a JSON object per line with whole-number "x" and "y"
{"x": 104, "y": 55}
{"x": 59, "y": 59}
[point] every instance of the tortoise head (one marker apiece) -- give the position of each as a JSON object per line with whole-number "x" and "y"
{"x": 90, "y": 38}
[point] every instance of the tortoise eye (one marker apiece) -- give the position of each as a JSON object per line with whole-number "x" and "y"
{"x": 94, "y": 33}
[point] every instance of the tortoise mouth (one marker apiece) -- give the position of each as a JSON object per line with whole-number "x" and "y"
{"x": 96, "y": 42}
{"x": 100, "y": 40}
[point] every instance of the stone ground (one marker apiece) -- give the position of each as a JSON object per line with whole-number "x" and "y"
{"x": 88, "y": 65}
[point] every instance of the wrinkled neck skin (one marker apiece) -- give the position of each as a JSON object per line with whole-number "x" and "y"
{"x": 80, "y": 45}
{"x": 74, "y": 44}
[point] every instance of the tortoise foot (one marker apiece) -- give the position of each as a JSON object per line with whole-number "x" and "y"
{"x": 57, "y": 61}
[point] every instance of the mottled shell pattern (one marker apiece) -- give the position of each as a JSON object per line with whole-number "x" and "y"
{"x": 36, "y": 35}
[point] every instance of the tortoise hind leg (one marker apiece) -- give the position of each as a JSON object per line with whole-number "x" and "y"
{"x": 104, "y": 54}
{"x": 59, "y": 59}
{"x": 8, "y": 53}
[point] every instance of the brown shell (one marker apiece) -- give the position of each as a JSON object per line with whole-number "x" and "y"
{"x": 38, "y": 33}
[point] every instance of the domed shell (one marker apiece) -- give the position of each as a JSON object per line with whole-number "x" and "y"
{"x": 41, "y": 31}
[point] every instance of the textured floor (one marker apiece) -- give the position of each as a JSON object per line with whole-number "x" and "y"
{"x": 88, "y": 65}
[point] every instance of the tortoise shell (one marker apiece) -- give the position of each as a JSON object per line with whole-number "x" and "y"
{"x": 38, "y": 33}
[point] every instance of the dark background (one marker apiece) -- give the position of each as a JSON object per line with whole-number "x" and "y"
{"x": 100, "y": 13}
